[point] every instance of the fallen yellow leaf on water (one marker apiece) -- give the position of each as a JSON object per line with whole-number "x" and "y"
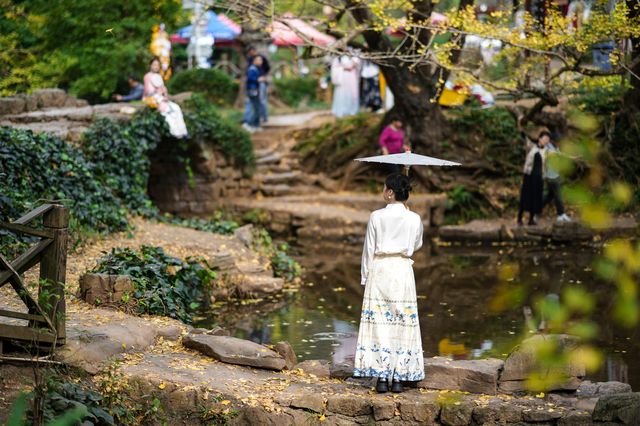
{"x": 225, "y": 402}
{"x": 162, "y": 386}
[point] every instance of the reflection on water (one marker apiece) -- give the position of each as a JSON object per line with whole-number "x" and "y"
{"x": 456, "y": 288}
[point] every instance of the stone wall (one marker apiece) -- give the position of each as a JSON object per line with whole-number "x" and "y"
{"x": 54, "y": 111}
{"x": 39, "y": 99}
{"x": 214, "y": 178}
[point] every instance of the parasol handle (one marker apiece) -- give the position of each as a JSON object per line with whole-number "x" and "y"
{"x": 405, "y": 170}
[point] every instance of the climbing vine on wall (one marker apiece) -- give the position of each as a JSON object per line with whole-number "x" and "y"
{"x": 105, "y": 179}
{"x": 163, "y": 285}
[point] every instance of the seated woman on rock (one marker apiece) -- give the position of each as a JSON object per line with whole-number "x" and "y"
{"x": 156, "y": 95}
{"x": 389, "y": 342}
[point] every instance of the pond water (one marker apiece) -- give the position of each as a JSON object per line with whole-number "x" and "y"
{"x": 456, "y": 286}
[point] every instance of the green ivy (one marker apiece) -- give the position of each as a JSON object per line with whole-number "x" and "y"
{"x": 63, "y": 397}
{"x": 106, "y": 179}
{"x": 163, "y": 285}
{"x": 120, "y": 156}
{"x": 39, "y": 167}
{"x": 215, "y": 85}
{"x": 207, "y": 126}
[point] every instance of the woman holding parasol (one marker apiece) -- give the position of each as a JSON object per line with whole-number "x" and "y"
{"x": 389, "y": 344}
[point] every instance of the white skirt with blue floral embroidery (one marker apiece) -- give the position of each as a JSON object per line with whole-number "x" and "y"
{"x": 389, "y": 341}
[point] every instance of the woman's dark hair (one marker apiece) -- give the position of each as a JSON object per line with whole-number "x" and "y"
{"x": 155, "y": 58}
{"x": 400, "y": 185}
{"x": 544, "y": 133}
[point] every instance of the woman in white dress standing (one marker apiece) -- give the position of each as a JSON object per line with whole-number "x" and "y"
{"x": 156, "y": 95}
{"x": 389, "y": 343}
{"x": 346, "y": 93}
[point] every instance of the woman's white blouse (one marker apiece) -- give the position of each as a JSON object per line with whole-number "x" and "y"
{"x": 392, "y": 230}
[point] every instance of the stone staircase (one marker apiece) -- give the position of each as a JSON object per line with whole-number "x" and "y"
{"x": 278, "y": 171}
{"x": 311, "y": 206}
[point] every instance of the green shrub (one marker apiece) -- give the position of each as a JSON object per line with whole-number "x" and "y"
{"x": 43, "y": 167}
{"x": 163, "y": 285}
{"x": 292, "y": 91}
{"x": 463, "y": 205}
{"x": 282, "y": 263}
{"x": 215, "y": 85}
{"x": 206, "y": 125}
{"x": 601, "y": 95}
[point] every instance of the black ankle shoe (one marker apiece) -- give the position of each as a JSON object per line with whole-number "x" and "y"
{"x": 396, "y": 387}
{"x": 382, "y": 386}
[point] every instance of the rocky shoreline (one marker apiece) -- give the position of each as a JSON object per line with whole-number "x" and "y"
{"x": 251, "y": 384}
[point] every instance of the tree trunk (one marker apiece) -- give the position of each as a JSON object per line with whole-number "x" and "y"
{"x": 423, "y": 119}
{"x": 413, "y": 89}
{"x": 632, "y": 98}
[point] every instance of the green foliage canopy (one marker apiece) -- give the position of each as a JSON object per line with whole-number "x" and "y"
{"x": 215, "y": 85}
{"x": 86, "y": 47}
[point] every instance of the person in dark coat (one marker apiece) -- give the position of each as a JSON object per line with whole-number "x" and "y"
{"x": 532, "y": 190}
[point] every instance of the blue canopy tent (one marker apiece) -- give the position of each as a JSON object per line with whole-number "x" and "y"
{"x": 221, "y": 28}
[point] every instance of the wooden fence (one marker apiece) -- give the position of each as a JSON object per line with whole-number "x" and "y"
{"x": 46, "y": 314}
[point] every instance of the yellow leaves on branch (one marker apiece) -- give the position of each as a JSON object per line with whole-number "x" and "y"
{"x": 558, "y": 30}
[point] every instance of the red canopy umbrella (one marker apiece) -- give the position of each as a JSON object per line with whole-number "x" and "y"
{"x": 296, "y": 32}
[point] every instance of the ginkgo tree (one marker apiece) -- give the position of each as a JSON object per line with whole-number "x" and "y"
{"x": 548, "y": 55}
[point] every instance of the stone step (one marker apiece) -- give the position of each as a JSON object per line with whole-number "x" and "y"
{"x": 286, "y": 177}
{"x": 275, "y": 190}
{"x": 84, "y": 114}
{"x": 264, "y": 169}
{"x": 305, "y": 189}
{"x": 263, "y": 152}
{"x": 269, "y": 159}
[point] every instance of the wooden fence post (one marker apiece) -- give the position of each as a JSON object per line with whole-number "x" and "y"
{"x": 53, "y": 267}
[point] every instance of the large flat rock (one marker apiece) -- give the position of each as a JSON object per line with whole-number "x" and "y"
{"x": 503, "y": 230}
{"x": 235, "y": 351}
{"x": 523, "y": 361}
{"x": 475, "y": 376}
{"x": 93, "y": 344}
{"x": 623, "y": 408}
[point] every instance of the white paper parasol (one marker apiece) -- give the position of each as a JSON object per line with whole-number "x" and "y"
{"x": 408, "y": 159}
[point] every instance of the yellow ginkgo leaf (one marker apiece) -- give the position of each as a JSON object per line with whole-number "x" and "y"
{"x": 162, "y": 386}
{"x": 225, "y": 402}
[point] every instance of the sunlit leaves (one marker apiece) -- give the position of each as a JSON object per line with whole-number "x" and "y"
{"x": 578, "y": 300}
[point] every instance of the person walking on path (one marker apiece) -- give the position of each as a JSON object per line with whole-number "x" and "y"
{"x": 263, "y": 87}
{"x": 552, "y": 177}
{"x": 156, "y": 95}
{"x": 135, "y": 93}
{"x": 389, "y": 343}
{"x": 253, "y": 94}
{"x": 532, "y": 188}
